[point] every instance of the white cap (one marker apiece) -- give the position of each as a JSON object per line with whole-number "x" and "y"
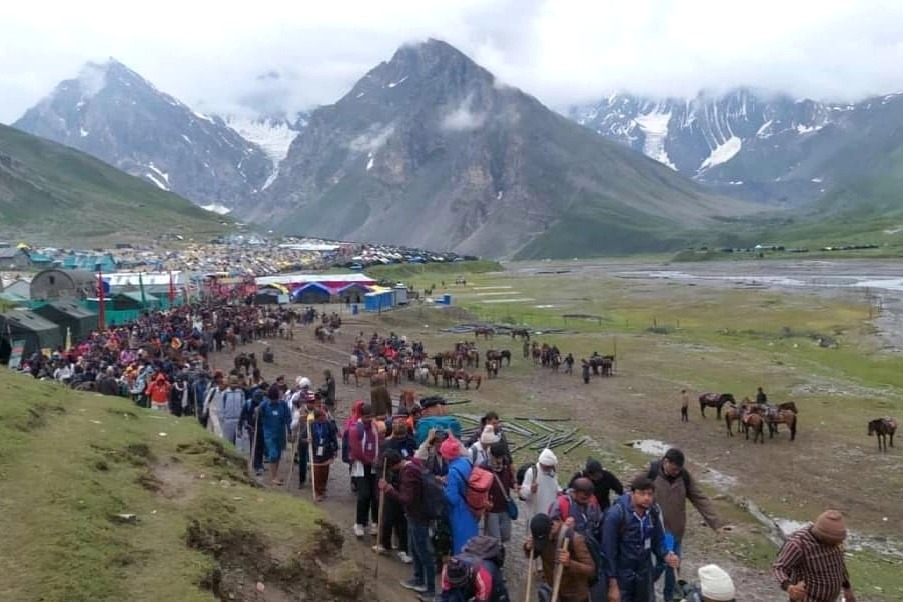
{"x": 548, "y": 458}
{"x": 489, "y": 436}
{"x": 716, "y": 584}
{"x": 302, "y": 381}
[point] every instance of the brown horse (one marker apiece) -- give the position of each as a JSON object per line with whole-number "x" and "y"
{"x": 774, "y": 418}
{"x": 883, "y": 428}
{"x": 714, "y": 400}
{"x": 347, "y": 372}
{"x": 731, "y": 415}
{"x": 487, "y": 331}
{"x": 754, "y": 421}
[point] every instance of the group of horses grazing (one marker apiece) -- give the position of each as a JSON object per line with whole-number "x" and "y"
{"x": 884, "y": 429}
{"x": 751, "y": 416}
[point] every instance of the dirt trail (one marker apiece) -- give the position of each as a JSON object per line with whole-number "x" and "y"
{"x": 701, "y": 545}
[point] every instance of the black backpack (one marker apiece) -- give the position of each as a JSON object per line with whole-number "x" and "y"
{"x": 522, "y": 473}
{"x": 434, "y": 502}
{"x": 655, "y": 470}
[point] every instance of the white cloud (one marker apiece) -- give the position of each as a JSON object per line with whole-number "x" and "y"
{"x": 211, "y": 56}
{"x": 463, "y": 119}
{"x": 373, "y": 141}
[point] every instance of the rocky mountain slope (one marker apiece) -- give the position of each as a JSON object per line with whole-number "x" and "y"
{"x": 429, "y": 149}
{"x": 112, "y": 113}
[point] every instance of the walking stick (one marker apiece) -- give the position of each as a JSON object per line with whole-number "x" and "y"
{"x": 254, "y": 440}
{"x": 379, "y": 522}
{"x": 530, "y": 566}
{"x": 559, "y": 571}
{"x": 291, "y": 463}
{"x": 310, "y": 462}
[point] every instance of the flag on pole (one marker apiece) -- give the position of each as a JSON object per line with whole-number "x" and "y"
{"x": 141, "y": 286}
{"x": 172, "y": 290}
{"x": 101, "y": 305}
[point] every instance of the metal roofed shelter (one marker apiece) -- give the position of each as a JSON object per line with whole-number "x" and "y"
{"x": 54, "y": 285}
{"x": 68, "y": 314}
{"x": 353, "y": 293}
{"x": 38, "y": 333}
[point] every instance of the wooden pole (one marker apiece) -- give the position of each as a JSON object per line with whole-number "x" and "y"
{"x": 559, "y": 570}
{"x": 310, "y": 462}
{"x": 530, "y": 567}
{"x": 254, "y": 440}
{"x": 379, "y": 522}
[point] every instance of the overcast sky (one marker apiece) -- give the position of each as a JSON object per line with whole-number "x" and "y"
{"x": 564, "y": 51}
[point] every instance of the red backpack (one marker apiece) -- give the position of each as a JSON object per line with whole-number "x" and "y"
{"x": 476, "y": 495}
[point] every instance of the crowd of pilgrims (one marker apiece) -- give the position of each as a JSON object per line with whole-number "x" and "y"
{"x": 428, "y": 516}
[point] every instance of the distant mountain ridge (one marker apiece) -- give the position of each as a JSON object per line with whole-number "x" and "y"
{"x": 428, "y": 149}
{"x": 114, "y": 114}
{"x": 762, "y": 146}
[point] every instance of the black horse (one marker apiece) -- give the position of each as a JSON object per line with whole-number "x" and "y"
{"x": 715, "y": 400}
{"x": 504, "y": 354}
{"x": 884, "y": 428}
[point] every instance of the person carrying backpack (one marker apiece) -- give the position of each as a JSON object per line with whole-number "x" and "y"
{"x": 558, "y": 546}
{"x": 423, "y": 497}
{"x": 579, "y": 510}
{"x": 229, "y": 414}
{"x": 604, "y": 482}
{"x": 275, "y": 420}
{"x": 673, "y": 487}
{"x": 476, "y": 574}
{"x": 504, "y": 508}
{"x": 462, "y": 519}
{"x": 365, "y": 443}
{"x": 632, "y": 533}
{"x": 539, "y": 485}
{"x": 249, "y": 423}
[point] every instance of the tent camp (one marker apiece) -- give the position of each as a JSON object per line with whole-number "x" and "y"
{"x": 55, "y": 284}
{"x": 23, "y": 325}
{"x": 312, "y": 293}
{"x": 67, "y": 314}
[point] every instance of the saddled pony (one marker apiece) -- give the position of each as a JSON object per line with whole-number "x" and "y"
{"x": 714, "y": 400}
{"x": 883, "y": 428}
{"x": 754, "y": 422}
{"x": 775, "y": 417}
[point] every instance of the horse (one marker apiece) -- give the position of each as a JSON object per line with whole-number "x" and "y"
{"x": 505, "y": 354}
{"x": 492, "y": 368}
{"x": 775, "y": 417}
{"x": 555, "y": 362}
{"x": 520, "y": 332}
{"x": 754, "y": 421}
{"x": 422, "y": 375}
{"x": 731, "y": 415}
{"x": 347, "y": 372}
{"x": 883, "y": 428}
{"x": 488, "y": 332}
{"x": 788, "y": 405}
{"x": 714, "y": 400}
{"x": 607, "y": 365}
{"x": 245, "y": 361}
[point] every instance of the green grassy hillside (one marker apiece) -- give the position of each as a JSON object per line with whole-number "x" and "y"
{"x": 52, "y": 193}
{"x": 105, "y": 501}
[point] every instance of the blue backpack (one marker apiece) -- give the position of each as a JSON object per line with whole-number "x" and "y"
{"x": 447, "y": 424}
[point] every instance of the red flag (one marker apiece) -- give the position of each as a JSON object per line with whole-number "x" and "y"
{"x": 101, "y": 304}
{"x": 172, "y": 290}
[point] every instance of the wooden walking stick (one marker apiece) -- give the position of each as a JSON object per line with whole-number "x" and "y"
{"x": 254, "y": 440}
{"x": 559, "y": 569}
{"x": 379, "y": 521}
{"x": 291, "y": 456}
{"x": 530, "y": 567}
{"x": 310, "y": 462}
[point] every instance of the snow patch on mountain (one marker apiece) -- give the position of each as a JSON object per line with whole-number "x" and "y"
{"x": 655, "y": 127}
{"x": 156, "y": 180}
{"x": 273, "y": 136}
{"x": 722, "y": 153}
{"x": 163, "y": 175}
{"x": 216, "y": 208}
